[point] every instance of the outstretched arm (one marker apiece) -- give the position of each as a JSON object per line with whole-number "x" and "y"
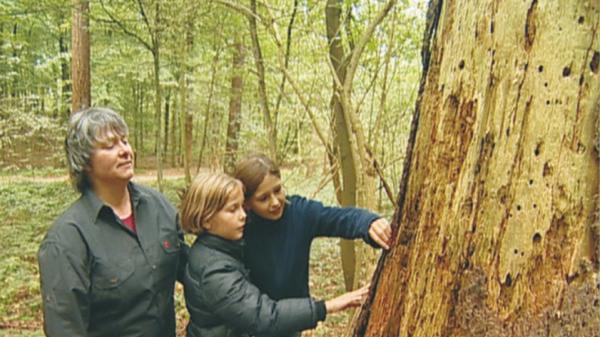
{"x": 226, "y": 291}
{"x": 239, "y": 303}
{"x": 331, "y": 221}
{"x": 345, "y": 222}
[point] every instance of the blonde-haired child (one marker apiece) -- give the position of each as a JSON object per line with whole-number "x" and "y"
{"x": 219, "y": 296}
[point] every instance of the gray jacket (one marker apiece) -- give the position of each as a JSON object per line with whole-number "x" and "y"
{"x": 99, "y": 279}
{"x": 222, "y": 301}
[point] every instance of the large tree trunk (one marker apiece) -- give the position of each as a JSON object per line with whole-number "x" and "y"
{"x": 80, "y": 60}
{"x": 498, "y": 223}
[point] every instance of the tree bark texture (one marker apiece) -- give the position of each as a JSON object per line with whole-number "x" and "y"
{"x": 498, "y": 218}
{"x": 80, "y": 60}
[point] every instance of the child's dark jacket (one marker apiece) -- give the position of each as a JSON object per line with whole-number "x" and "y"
{"x": 222, "y": 301}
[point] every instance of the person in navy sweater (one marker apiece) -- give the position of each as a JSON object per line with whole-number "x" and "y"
{"x": 280, "y": 229}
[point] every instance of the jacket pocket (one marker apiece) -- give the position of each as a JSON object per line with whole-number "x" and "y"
{"x": 168, "y": 257}
{"x": 170, "y": 242}
{"x": 111, "y": 274}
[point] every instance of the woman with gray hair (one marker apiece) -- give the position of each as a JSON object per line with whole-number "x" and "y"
{"x": 108, "y": 264}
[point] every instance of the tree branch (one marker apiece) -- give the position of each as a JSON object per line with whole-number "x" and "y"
{"x": 388, "y": 190}
{"x": 311, "y": 115}
{"x": 362, "y": 43}
{"x": 240, "y": 8}
{"x": 124, "y": 28}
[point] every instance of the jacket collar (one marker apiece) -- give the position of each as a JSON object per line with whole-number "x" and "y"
{"x": 95, "y": 205}
{"x": 229, "y": 247}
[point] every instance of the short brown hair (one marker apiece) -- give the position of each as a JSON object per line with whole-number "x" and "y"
{"x": 206, "y": 196}
{"x": 252, "y": 170}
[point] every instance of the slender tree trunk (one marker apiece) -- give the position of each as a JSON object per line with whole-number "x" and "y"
{"x": 167, "y": 122}
{"x": 186, "y": 108}
{"x": 15, "y": 54}
{"x": 42, "y": 98}
{"x": 80, "y": 60}
{"x": 156, "y": 37}
{"x": 235, "y": 106}
{"x": 187, "y": 128}
{"x": 186, "y": 121}
{"x": 288, "y": 47}
{"x": 65, "y": 76}
{"x": 174, "y": 133}
{"x": 208, "y": 111}
{"x": 3, "y": 83}
{"x": 141, "y": 122}
{"x": 136, "y": 121}
{"x": 498, "y": 215}
{"x": 341, "y": 137}
{"x": 262, "y": 85}
{"x": 351, "y": 151}
{"x": 158, "y": 117}
{"x": 377, "y": 127}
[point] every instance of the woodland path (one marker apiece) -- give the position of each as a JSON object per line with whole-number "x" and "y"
{"x": 144, "y": 176}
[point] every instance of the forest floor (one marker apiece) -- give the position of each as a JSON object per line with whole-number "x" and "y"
{"x": 29, "y": 204}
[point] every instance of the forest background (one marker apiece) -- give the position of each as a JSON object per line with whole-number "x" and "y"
{"x": 268, "y": 76}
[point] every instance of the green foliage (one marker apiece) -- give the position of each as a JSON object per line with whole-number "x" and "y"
{"x": 27, "y": 210}
{"x": 35, "y": 56}
{"x": 29, "y": 140}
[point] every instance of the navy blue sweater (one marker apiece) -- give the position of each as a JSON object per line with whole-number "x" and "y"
{"x": 277, "y": 252}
